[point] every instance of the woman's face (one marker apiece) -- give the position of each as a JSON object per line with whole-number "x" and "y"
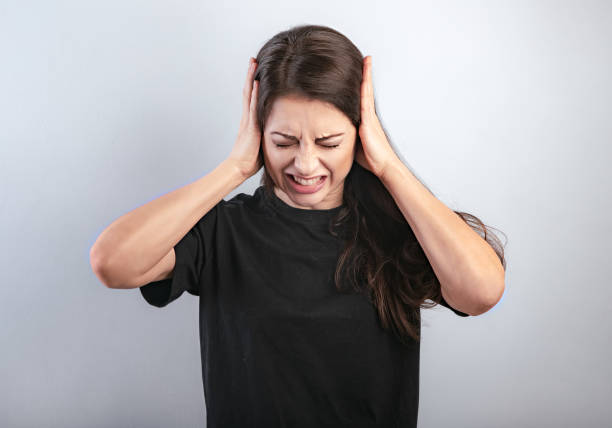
{"x": 294, "y": 145}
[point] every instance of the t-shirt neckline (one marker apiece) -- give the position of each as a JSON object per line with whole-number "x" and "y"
{"x": 317, "y": 216}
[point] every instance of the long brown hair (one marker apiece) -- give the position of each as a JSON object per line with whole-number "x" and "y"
{"x": 382, "y": 257}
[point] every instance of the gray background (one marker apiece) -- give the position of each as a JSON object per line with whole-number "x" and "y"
{"x": 501, "y": 108}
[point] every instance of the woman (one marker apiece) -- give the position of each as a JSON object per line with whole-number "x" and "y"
{"x": 311, "y": 288}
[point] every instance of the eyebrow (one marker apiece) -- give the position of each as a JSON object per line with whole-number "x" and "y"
{"x": 291, "y": 137}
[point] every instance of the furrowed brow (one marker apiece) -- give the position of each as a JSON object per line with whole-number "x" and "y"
{"x": 291, "y": 137}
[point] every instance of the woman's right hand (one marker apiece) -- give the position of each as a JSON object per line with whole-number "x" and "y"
{"x": 245, "y": 153}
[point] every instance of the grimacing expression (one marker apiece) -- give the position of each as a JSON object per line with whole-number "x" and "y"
{"x": 295, "y": 144}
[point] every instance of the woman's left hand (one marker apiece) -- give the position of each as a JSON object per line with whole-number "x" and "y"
{"x": 374, "y": 153}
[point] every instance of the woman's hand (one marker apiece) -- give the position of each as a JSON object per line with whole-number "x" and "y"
{"x": 245, "y": 152}
{"x": 374, "y": 153}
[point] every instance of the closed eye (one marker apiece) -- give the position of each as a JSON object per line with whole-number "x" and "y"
{"x": 289, "y": 145}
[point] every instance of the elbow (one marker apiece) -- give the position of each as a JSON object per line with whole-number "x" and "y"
{"x": 482, "y": 293}
{"x": 99, "y": 266}
{"x": 494, "y": 292}
{"x": 99, "y": 272}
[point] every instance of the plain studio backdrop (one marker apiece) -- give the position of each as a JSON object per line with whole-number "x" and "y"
{"x": 501, "y": 108}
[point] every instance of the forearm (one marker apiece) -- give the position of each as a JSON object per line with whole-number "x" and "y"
{"x": 136, "y": 241}
{"x": 469, "y": 271}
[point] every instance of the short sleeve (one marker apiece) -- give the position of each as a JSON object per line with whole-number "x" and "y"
{"x": 192, "y": 253}
{"x": 445, "y": 303}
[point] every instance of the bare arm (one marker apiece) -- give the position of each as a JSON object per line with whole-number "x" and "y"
{"x": 470, "y": 273}
{"x": 138, "y": 247}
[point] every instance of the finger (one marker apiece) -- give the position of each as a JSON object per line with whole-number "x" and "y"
{"x": 367, "y": 92}
{"x": 248, "y": 88}
{"x": 248, "y": 84}
{"x": 369, "y": 88}
{"x": 253, "y": 105}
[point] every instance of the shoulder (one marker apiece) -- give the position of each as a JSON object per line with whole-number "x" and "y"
{"x": 243, "y": 204}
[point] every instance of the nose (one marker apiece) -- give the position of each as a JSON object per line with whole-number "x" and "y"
{"x": 306, "y": 160}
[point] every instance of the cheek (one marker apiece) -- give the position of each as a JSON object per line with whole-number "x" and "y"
{"x": 275, "y": 163}
{"x": 348, "y": 159}
{"x": 341, "y": 164}
{"x": 275, "y": 158}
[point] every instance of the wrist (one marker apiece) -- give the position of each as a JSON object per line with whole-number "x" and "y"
{"x": 393, "y": 166}
{"x": 234, "y": 171}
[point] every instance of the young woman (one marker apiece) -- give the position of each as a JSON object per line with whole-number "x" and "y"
{"x": 311, "y": 288}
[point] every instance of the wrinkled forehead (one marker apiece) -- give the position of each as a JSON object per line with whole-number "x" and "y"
{"x": 295, "y": 115}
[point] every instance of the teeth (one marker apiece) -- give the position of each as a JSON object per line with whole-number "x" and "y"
{"x": 306, "y": 182}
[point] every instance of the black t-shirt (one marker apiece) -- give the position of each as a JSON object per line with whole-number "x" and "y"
{"x": 280, "y": 345}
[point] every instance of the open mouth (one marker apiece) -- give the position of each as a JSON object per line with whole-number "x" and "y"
{"x": 307, "y": 186}
{"x": 311, "y": 182}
